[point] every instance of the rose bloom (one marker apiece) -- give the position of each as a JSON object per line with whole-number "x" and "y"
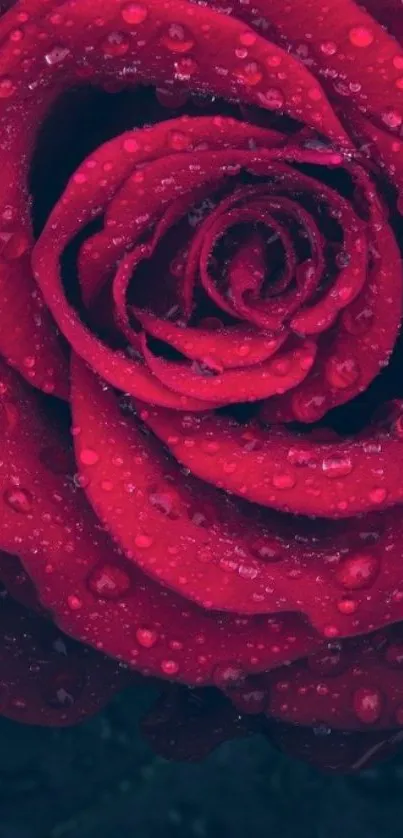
{"x": 201, "y": 400}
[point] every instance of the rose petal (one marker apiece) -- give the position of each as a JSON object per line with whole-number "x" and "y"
{"x": 46, "y": 679}
{"x": 286, "y": 470}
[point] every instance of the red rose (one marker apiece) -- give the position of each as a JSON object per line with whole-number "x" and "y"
{"x": 217, "y": 296}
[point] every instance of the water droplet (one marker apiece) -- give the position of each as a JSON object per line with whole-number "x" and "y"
{"x": 367, "y": 704}
{"x": 342, "y": 374}
{"x": 109, "y": 581}
{"x": 358, "y": 571}
{"x": 167, "y": 502}
{"x": 378, "y": 495}
{"x": 392, "y": 118}
{"x": 131, "y": 145}
{"x": 328, "y": 47}
{"x": 360, "y": 36}
{"x": 210, "y": 447}
{"x": 299, "y": 456}
{"x": 7, "y": 87}
{"x": 134, "y": 13}
{"x": 88, "y": 457}
{"x": 143, "y": 541}
{"x": 347, "y": 606}
{"x": 177, "y": 38}
{"x": 336, "y": 467}
{"x": 185, "y": 68}
{"x": 56, "y": 55}
{"x": 358, "y": 322}
{"x": 115, "y": 44}
{"x": 272, "y": 99}
{"x": 265, "y": 550}
{"x": 169, "y": 667}
{"x": 20, "y": 500}
{"x": 247, "y": 39}
{"x": 249, "y": 74}
{"x": 330, "y": 632}
{"x": 283, "y": 481}
{"x": 74, "y": 602}
{"x": 179, "y": 141}
{"x": 146, "y": 637}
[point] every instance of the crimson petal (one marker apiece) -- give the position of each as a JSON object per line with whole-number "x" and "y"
{"x": 45, "y": 678}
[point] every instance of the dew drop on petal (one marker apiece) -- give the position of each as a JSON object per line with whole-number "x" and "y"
{"x": 361, "y": 36}
{"x": 358, "y": 571}
{"x": 134, "y": 13}
{"x": 109, "y": 581}
{"x": 56, "y": 55}
{"x": 342, "y": 374}
{"x": 283, "y": 480}
{"x": 273, "y": 98}
{"x": 74, "y": 602}
{"x": 177, "y": 38}
{"x": 249, "y": 74}
{"x": 337, "y": 467}
{"x": 143, "y": 541}
{"x": 328, "y": 47}
{"x": 378, "y": 495}
{"x": 347, "y": 606}
{"x": 88, "y": 457}
{"x": 169, "y": 667}
{"x": 392, "y": 118}
{"x": 367, "y": 704}
{"x": 146, "y": 637}
{"x": 7, "y": 87}
{"x": 19, "y": 500}
{"x": 115, "y": 44}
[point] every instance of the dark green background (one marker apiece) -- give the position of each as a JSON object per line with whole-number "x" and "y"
{"x": 101, "y": 780}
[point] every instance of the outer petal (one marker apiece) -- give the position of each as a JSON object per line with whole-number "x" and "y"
{"x": 226, "y": 556}
{"x": 92, "y": 591}
{"x": 47, "y": 679}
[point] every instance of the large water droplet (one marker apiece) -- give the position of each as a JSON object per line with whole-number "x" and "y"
{"x": 177, "y": 38}
{"x": 361, "y": 36}
{"x": 7, "y": 87}
{"x": 283, "y": 480}
{"x": 342, "y": 373}
{"x": 146, "y": 637}
{"x": 358, "y": 571}
{"x": 249, "y": 74}
{"x": 134, "y": 13}
{"x": 273, "y": 99}
{"x": 169, "y": 667}
{"x": 19, "y": 500}
{"x": 56, "y": 55}
{"x": 367, "y": 704}
{"x": 115, "y": 44}
{"x": 337, "y": 467}
{"x": 109, "y": 581}
{"x": 88, "y": 457}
